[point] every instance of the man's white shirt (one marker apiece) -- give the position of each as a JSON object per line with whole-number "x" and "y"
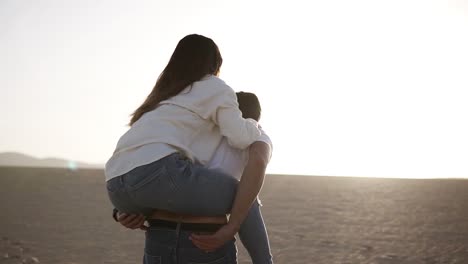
{"x": 232, "y": 160}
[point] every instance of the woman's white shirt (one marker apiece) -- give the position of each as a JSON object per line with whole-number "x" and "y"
{"x": 192, "y": 122}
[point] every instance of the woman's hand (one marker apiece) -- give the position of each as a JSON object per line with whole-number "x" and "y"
{"x": 132, "y": 221}
{"x": 212, "y": 242}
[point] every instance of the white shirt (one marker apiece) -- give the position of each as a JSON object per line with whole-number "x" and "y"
{"x": 232, "y": 160}
{"x": 192, "y": 122}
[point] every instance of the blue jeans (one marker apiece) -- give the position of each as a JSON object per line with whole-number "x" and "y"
{"x": 254, "y": 236}
{"x": 166, "y": 246}
{"x": 176, "y": 184}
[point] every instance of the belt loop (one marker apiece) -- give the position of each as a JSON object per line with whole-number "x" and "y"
{"x": 179, "y": 224}
{"x": 177, "y": 232}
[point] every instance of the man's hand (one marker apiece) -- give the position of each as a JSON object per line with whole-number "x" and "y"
{"x": 212, "y": 242}
{"x": 132, "y": 221}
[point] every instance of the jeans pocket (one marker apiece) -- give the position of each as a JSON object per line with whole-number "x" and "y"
{"x": 149, "y": 259}
{"x": 113, "y": 185}
{"x": 223, "y": 255}
{"x": 141, "y": 177}
{"x": 160, "y": 245}
{"x": 222, "y": 260}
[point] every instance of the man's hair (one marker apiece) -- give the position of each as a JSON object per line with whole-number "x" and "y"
{"x": 249, "y": 105}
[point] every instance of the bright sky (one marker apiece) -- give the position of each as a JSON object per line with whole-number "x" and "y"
{"x": 351, "y": 88}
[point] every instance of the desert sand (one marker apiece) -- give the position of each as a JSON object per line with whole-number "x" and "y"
{"x": 59, "y": 216}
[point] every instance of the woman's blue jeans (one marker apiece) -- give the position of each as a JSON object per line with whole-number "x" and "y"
{"x": 176, "y": 184}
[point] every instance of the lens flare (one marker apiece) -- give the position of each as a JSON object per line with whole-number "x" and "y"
{"x": 72, "y": 165}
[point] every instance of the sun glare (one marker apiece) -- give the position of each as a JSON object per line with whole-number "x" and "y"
{"x": 348, "y": 88}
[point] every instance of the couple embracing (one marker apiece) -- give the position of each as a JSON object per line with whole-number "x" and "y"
{"x": 194, "y": 154}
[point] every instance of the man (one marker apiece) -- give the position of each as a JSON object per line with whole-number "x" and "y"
{"x": 180, "y": 246}
{"x": 180, "y": 233}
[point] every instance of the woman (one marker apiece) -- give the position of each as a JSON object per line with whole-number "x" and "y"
{"x": 159, "y": 161}
{"x": 165, "y": 242}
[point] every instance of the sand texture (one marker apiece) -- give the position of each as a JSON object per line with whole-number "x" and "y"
{"x": 59, "y": 216}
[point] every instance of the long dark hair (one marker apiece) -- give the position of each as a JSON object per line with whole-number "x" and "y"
{"x": 194, "y": 57}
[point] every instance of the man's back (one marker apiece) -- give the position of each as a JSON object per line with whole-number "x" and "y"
{"x": 232, "y": 160}
{"x": 229, "y": 159}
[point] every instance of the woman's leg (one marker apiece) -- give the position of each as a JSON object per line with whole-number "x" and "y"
{"x": 254, "y": 236}
{"x": 175, "y": 184}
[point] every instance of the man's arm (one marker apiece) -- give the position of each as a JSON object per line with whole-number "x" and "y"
{"x": 247, "y": 191}
{"x": 251, "y": 182}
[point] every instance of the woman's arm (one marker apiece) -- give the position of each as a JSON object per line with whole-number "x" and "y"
{"x": 240, "y": 132}
{"x": 222, "y": 108}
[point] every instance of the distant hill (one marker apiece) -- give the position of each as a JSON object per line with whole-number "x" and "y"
{"x": 15, "y": 159}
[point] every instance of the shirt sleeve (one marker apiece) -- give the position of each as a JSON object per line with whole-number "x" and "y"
{"x": 240, "y": 132}
{"x": 266, "y": 139}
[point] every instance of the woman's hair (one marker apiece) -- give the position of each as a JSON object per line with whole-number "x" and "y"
{"x": 249, "y": 105}
{"x": 194, "y": 57}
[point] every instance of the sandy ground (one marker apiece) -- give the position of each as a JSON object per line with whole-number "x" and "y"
{"x": 57, "y": 216}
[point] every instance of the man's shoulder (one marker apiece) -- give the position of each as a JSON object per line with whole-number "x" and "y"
{"x": 265, "y": 138}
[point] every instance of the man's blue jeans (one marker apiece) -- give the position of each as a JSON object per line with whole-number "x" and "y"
{"x": 175, "y": 184}
{"x": 168, "y": 246}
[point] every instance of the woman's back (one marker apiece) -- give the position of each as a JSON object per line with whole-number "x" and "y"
{"x": 192, "y": 122}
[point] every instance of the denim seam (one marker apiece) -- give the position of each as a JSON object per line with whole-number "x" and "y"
{"x": 139, "y": 185}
